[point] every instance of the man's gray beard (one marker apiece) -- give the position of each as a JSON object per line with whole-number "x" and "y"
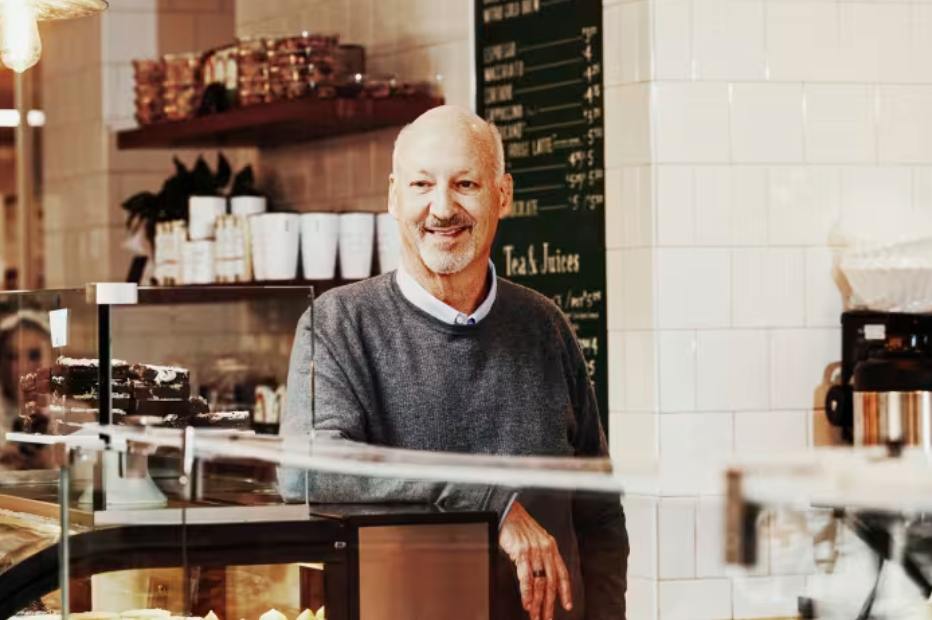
{"x": 447, "y": 263}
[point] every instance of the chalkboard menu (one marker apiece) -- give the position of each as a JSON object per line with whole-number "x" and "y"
{"x": 539, "y": 79}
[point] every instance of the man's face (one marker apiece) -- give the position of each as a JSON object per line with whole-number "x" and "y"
{"x": 447, "y": 197}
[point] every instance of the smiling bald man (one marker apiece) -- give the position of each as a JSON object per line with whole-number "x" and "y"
{"x": 443, "y": 355}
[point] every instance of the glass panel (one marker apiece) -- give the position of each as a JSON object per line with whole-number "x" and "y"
{"x": 192, "y": 520}
{"x": 398, "y": 533}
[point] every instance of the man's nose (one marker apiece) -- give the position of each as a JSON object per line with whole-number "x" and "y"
{"x": 444, "y": 204}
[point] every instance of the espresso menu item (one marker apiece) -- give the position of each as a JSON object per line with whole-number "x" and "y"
{"x": 539, "y": 79}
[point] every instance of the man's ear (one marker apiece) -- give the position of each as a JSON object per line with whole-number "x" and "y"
{"x": 507, "y": 187}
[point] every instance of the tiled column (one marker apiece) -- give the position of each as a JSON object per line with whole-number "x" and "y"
{"x": 765, "y": 123}
{"x": 87, "y": 82}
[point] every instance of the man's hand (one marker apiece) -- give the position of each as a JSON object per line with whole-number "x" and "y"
{"x": 541, "y": 570}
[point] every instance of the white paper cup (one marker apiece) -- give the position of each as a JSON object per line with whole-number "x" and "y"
{"x": 388, "y": 240}
{"x": 203, "y": 212}
{"x": 257, "y": 246}
{"x": 275, "y": 245}
{"x": 320, "y": 233}
{"x": 357, "y": 232}
{"x": 244, "y": 206}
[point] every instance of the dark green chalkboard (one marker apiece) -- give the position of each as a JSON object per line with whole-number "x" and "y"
{"x": 538, "y": 67}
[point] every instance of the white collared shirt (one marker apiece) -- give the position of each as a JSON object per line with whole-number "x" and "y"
{"x": 418, "y": 295}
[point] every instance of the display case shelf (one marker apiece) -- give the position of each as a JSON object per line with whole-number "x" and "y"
{"x": 280, "y": 123}
{"x": 247, "y": 291}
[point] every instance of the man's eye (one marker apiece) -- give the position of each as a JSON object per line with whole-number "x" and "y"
{"x": 467, "y": 184}
{"x": 420, "y": 184}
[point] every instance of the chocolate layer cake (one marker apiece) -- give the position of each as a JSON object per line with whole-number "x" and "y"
{"x": 62, "y": 398}
{"x": 160, "y": 375}
{"x": 79, "y": 377}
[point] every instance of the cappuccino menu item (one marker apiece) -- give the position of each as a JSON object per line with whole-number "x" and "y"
{"x": 539, "y": 71}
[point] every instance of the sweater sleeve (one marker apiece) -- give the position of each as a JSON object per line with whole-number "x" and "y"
{"x": 598, "y": 518}
{"x": 341, "y": 417}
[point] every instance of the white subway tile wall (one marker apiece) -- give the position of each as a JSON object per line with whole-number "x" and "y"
{"x": 642, "y": 598}
{"x": 641, "y": 517}
{"x": 770, "y": 121}
{"x": 677, "y": 370}
{"x": 704, "y": 599}
{"x": 691, "y": 122}
{"x": 694, "y": 449}
{"x": 767, "y": 597}
{"x": 710, "y": 537}
{"x": 677, "y": 532}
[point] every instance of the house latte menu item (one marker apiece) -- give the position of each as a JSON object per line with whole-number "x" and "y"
{"x": 539, "y": 79}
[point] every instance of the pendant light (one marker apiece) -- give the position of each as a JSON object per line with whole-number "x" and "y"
{"x": 20, "y": 46}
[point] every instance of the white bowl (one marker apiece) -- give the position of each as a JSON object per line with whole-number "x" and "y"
{"x": 890, "y": 288}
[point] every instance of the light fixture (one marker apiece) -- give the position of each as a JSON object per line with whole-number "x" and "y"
{"x": 20, "y": 46}
{"x": 10, "y": 118}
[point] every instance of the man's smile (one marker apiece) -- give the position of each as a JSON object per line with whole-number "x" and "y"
{"x": 447, "y": 233}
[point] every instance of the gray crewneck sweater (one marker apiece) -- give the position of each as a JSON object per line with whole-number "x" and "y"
{"x": 388, "y": 373}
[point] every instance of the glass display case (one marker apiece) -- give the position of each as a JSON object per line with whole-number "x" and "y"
{"x": 140, "y": 474}
{"x": 207, "y": 553}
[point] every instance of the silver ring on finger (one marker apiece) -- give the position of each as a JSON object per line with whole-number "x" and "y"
{"x": 539, "y": 573}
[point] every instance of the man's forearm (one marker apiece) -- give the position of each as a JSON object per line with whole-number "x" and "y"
{"x": 329, "y": 488}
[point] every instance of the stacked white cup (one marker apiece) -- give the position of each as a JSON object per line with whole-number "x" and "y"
{"x": 357, "y": 232}
{"x": 389, "y": 242}
{"x": 203, "y": 212}
{"x": 275, "y": 240}
{"x": 244, "y": 206}
{"x": 320, "y": 233}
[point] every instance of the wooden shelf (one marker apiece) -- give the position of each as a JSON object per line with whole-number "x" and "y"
{"x": 280, "y": 123}
{"x": 225, "y": 293}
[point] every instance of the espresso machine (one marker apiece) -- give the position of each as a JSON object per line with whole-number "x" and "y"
{"x": 884, "y": 397}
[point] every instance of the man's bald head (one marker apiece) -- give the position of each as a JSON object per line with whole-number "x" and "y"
{"x": 458, "y": 123}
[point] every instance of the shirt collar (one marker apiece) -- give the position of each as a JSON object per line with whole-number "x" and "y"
{"x": 418, "y": 295}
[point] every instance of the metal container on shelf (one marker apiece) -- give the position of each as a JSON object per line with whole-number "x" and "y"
{"x": 221, "y": 66}
{"x": 303, "y": 65}
{"x": 149, "y": 77}
{"x": 892, "y": 399}
{"x": 183, "y": 68}
{"x": 252, "y": 70}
